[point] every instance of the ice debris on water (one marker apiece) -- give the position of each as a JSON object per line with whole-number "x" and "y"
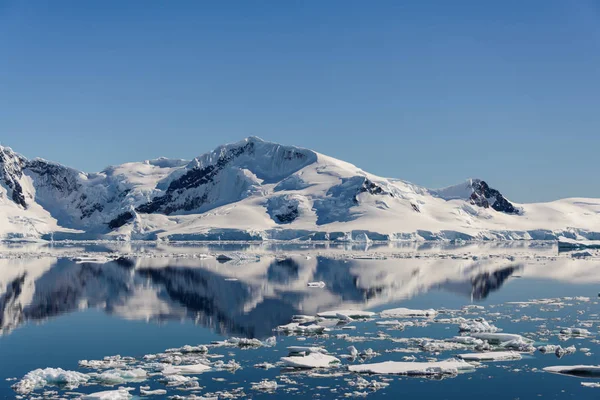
{"x": 477, "y": 325}
{"x": 491, "y": 356}
{"x": 407, "y": 312}
{"x": 447, "y": 367}
{"x": 265, "y": 385}
{"x": 119, "y": 394}
{"x": 40, "y": 378}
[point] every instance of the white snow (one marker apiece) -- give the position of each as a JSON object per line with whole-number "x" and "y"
{"x": 260, "y": 190}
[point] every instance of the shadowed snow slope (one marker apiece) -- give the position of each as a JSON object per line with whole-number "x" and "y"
{"x": 256, "y": 190}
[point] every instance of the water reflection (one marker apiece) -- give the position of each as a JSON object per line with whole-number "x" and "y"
{"x": 251, "y": 295}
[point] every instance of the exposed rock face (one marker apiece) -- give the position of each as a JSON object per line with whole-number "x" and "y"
{"x": 11, "y": 171}
{"x": 484, "y": 196}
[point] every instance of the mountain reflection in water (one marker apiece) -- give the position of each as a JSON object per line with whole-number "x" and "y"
{"x": 246, "y": 297}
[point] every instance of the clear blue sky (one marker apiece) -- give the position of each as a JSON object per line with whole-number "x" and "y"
{"x": 428, "y": 91}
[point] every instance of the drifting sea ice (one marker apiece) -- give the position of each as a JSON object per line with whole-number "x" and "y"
{"x": 499, "y": 338}
{"x": 311, "y": 360}
{"x": 591, "y": 384}
{"x": 39, "y": 378}
{"x": 447, "y": 367}
{"x": 407, "y": 312}
{"x": 575, "y": 370}
{"x": 185, "y": 369}
{"x": 119, "y": 394}
{"x": 477, "y": 325}
{"x": 265, "y": 385}
{"x": 354, "y": 314}
{"x": 491, "y": 356}
{"x": 119, "y": 376}
{"x": 575, "y": 332}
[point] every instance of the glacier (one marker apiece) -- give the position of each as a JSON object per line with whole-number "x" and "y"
{"x": 255, "y": 190}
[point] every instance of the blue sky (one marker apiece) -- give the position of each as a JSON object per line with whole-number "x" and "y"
{"x": 428, "y": 91}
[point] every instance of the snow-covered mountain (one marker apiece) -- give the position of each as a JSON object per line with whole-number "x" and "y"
{"x": 257, "y": 190}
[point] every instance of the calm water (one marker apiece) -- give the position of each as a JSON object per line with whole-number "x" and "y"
{"x": 55, "y": 311}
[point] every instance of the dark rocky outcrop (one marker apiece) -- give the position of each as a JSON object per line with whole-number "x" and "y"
{"x": 484, "y": 196}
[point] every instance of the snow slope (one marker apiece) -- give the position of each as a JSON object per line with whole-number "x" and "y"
{"x": 257, "y": 190}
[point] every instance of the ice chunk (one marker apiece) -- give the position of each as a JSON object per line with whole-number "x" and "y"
{"x": 477, "y": 325}
{"x": 120, "y": 376}
{"x": 119, "y": 394}
{"x": 466, "y": 340}
{"x": 591, "y": 384}
{"x": 185, "y": 369}
{"x": 451, "y": 366}
{"x": 407, "y": 312}
{"x": 156, "y": 392}
{"x": 311, "y": 360}
{"x": 319, "y": 284}
{"x": 575, "y": 370}
{"x": 295, "y": 327}
{"x": 575, "y": 332}
{"x": 354, "y": 314}
{"x": 498, "y": 338}
{"x": 306, "y": 350}
{"x": 265, "y": 385}
{"x": 39, "y": 378}
{"x": 491, "y": 356}
{"x": 188, "y": 349}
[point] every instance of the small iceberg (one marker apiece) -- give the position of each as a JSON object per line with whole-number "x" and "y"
{"x": 407, "y": 312}
{"x": 491, "y": 356}
{"x": 447, "y": 367}
{"x": 581, "y": 371}
{"x": 311, "y": 360}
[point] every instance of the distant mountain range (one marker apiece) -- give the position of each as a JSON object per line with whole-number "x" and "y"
{"x": 258, "y": 190}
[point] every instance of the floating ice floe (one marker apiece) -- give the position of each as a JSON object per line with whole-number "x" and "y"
{"x": 119, "y": 394}
{"x": 354, "y": 314}
{"x": 311, "y": 360}
{"x": 361, "y": 384}
{"x": 447, "y": 367}
{"x": 39, "y": 378}
{"x": 306, "y": 350}
{"x": 188, "y": 349}
{"x": 119, "y": 376}
{"x": 265, "y": 385}
{"x": 107, "y": 362}
{"x": 575, "y": 370}
{"x": 491, "y": 356}
{"x": 466, "y": 340}
{"x": 319, "y": 284}
{"x": 294, "y": 327}
{"x": 497, "y": 338}
{"x": 185, "y": 369}
{"x": 246, "y": 343}
{"x": 477, "y": 325}
{"x": 559, "y": 351}
{"x": 591, "y": 384}
{"x": 575, "y": 332}
{"x": 407, "y": 312}
{"x": 146, "y": 391}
